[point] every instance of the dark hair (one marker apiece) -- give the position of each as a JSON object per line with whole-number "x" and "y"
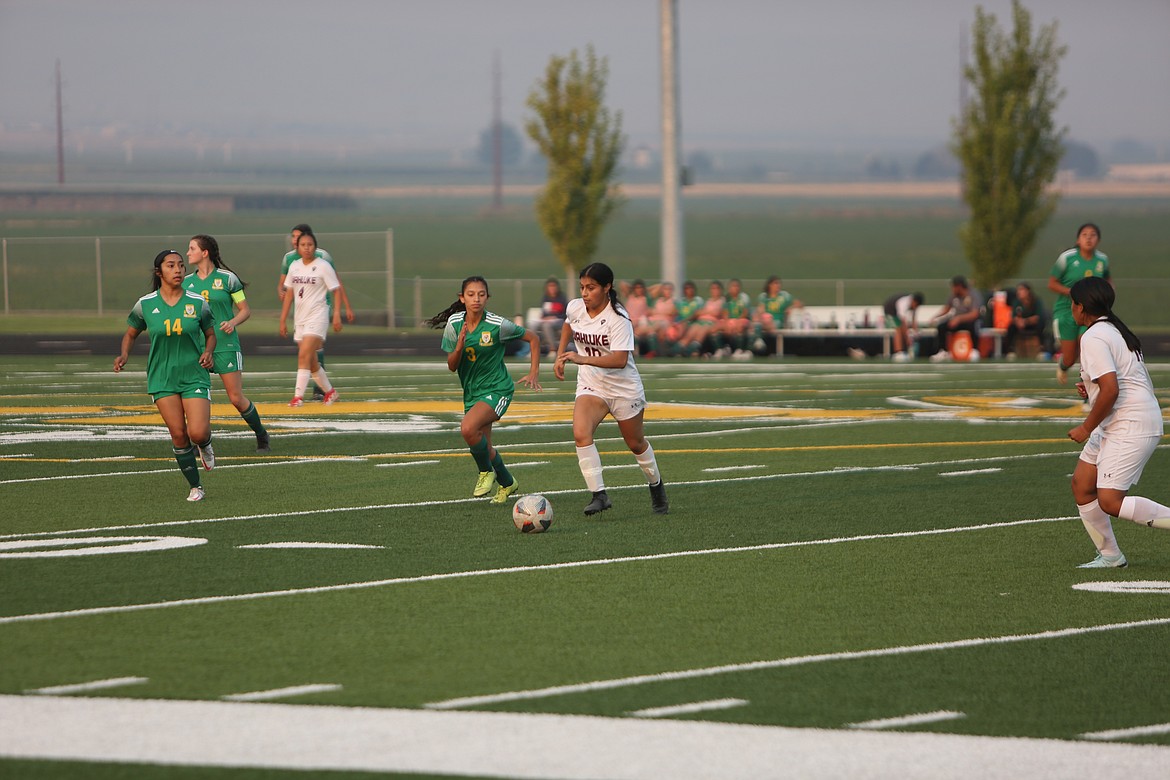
{"x": 156, "y": 280}
{"x": 959, "y": 280}
{"x": 1089, "y": 225}
{"x": 918, "y": 298}
{"x": 211, "y": 247}
{"x": 440, "y": 319}
{"x": 1097, "y": 296}
{"x": 302, "y": 227}
{"x": 768, "y": 283}
{"x": 603, "y": 275}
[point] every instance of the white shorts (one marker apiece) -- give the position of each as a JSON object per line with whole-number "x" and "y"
{"x": 1119, "y": 458}
{"x": 620, "y": 408}
{"x": 318, "y": 326}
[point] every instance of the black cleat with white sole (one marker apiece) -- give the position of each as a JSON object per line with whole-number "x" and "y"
{"x": 600, "y": 503}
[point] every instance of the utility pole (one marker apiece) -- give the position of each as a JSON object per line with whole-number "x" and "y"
{"x": 674, "y": 267}
{"x": 60, "y": 132}
{"x": 497, "y": 138}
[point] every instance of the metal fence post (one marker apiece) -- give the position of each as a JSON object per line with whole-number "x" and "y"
{"x": 97, "y": 252}
{"x": 390, "y": 315}
{"x": 4, "y": 243}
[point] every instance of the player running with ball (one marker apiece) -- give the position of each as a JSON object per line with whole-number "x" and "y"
{"x": 608, "y": 383}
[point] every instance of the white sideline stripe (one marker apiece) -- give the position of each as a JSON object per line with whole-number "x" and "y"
{"x": 800, "y": 660}
{"x": 171, "y": 470}
{"x": 96, "y": 685}
{"x": 282, "y": 693}
{"x": 528, "y": 745}
{"x": 688, "y": 709}
{"x": 734, "y": 468}
{"x": 1136, "y": 731}
{"x": 837, "y": 471}
{"x": 511, "y": 570}
{"x": 309, "y": 546}
{"x": 969, "y": 471}
{"x": 408, "y": 463}
{"x": 920, "y": 719}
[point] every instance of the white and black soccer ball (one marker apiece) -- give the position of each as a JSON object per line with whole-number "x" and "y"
{"x": 532, "y": 514}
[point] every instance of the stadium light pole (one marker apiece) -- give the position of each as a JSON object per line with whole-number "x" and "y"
{"x": 673, "y": 255}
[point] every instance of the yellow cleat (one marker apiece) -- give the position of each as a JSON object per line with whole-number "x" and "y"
{"x": 484, "y": 485}
{"x": 502, "y": 493}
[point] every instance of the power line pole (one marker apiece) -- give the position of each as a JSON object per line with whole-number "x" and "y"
{"x": 60, "y": 132}
{"x": 497, "y": 137}
{"x": 673, "y": 262}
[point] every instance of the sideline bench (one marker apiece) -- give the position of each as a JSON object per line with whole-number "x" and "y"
{"x": 856, "y": 323}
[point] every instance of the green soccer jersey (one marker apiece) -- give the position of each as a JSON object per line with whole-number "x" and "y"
{"x": 687, "y": 307}
{"x": 176, "y": 340}
{"x": 1071, "y": 267}
{"x": 777, "y": 305}
{"x": 481, "y": 370}
{"x": 222, "y": 290}
{"x": 737, "y": 308}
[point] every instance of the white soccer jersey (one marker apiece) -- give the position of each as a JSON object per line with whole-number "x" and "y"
{"x": 1103, "y": 351}
{"x": 309, "y": 283}
{"x": 604, "y": 334}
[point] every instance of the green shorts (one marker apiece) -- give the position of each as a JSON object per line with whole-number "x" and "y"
{"x": 227, "y": 362}
{"x": 1065, "y": 328}
{"x": 893, "y": 321}
{"x": 193, "y": 390}
{"x": 496, "y": 401}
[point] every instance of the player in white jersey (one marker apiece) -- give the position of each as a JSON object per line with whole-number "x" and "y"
{"x": 307, "y": 282}
{"x": 608, "y": 383}
{"x": 1122, "y": 429}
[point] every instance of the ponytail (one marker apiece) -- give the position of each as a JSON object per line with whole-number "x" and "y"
{"x": 439, "y": 321}
{"x": 211, "y": 247}
{"x": 603, "y": 275}
{"x": 1097, "y": 296}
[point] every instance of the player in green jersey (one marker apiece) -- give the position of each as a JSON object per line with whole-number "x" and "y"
{"x": 1081, "y": 261}
{"x": 182, "y": 344}
{"x": 292, "y": 257}
{"x": 771, "y": 314}
{"x": 224, "y": 292}
{"x": 474, "y": 340}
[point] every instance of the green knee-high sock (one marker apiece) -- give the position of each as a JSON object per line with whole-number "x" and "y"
{"x": 479, "y": 451}
{"x": 187, "y": 464}
{"x": 252, "y": 417}
{"x": 503, "y": 476}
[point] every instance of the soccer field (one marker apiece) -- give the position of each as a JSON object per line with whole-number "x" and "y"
{"x": 868, "y": 570}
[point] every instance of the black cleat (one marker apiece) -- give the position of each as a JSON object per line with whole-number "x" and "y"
{"x": 262, "y": 443}
{"x": 318, "y": 394}
{"x": 600, "y": 503}
{"x": 658, "y": 500}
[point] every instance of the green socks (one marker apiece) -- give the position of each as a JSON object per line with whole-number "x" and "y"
{"x": 188, "y": 464}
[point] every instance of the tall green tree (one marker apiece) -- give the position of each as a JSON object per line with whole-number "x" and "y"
{"x": 582, "y": 141}
{"x": 1007, "y": 142}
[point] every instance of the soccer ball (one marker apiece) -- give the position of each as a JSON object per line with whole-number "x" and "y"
{"x": 532, "y": 514}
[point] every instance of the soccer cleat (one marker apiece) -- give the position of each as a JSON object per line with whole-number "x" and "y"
{"x": 318, "y": 393}
{"x": 658, "y": 500}
{"x": 207, "y": 455}
{"x": 942, "y": 356}
{"x": 759, "y": 345}
{"x": 196, "y": 494}
{"x": 330, "y": 397}
{"x": 297, "y": 401}
{"x": 262, "y": 443}
{"x": 901, "y": 357}
{"x": 502, "y": 493}
{"x": 600, "y": 503}
{"x": 485, "y": 484}
{"x": 1106, "y": 562}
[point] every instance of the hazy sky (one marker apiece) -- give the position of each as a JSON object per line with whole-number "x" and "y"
{"x": 782, "y": 73}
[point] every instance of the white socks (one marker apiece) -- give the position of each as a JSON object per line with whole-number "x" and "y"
{"x": 589, "y": 460}
{"x": 1100, "y": 528}
{"x": 649, "y": 465}
{"x": 302, "y": 382}
{"x": 1143, "y": 511}
{"x": 322, "y": 380}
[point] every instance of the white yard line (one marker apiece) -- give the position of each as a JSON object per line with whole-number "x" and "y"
{"x": 89, "y": 687}
{"x": 282, "y": 693}
{"x": 919, "y": 719}
{"x": 689, "y": 709}
{"x": 523, "y": 745}
{"x": 968, "y": 472}
{"x": 778, "y": 663}
{"x": 1137, "y": 731}
{"x": 510, "y": 570}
